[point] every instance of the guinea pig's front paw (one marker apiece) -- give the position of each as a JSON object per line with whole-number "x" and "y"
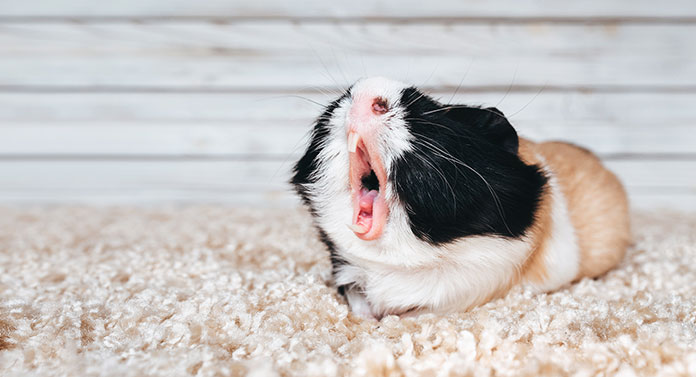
{"x": 364, "y": 313}
{"x": 358, "y": 304}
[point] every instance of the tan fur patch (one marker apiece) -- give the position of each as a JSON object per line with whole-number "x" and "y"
{"x": 597, "y": 205}
{"x": 534, "y": 268}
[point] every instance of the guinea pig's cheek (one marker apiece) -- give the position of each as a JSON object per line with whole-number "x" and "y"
{"x": 380, "y": 212}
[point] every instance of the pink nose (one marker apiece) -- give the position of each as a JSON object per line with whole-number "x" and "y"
{"x": 363, "y": 111}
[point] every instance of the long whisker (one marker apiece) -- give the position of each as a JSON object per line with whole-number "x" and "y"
{"x": 450, "y": 107}
{"x": 512, "y": 83}
{"x": 463, "y": 107}
{"x": 338, "y": 65}
{"x": 449, "y": 131}
{"x": 296, "y": 96}
{"x": 468, "y": 68}
{"x": 442, "y": 175}
{"x": 302, "y": 141}
{"x": 415, "y": 99}
{"x": 454, "y": 160}
{"x": 329, "y": 92}
{"x": 445, "y": 108}
{"x": 496, "y": 200}
{"x": 432, "y": 73}
{"x": 530, "y": 101}
{"x": 326, "y": 72}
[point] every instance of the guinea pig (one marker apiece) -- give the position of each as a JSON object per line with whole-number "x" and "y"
{"x": 427, "y": 207}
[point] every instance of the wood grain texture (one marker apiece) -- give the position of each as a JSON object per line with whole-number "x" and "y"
{"x": 240, "y": 139}
{"x": 123, "y": 181}
{"x": 161, "y": 101}
{"x": 641, "y": 108}
{"x": 355, "y": 9}
{"x": 264, "y": 124}
{"x": 285, "y": 55}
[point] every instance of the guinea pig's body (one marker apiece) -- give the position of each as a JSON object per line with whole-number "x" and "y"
{"x": 431, "y": 207}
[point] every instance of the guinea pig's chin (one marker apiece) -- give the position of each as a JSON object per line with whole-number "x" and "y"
{"x": 367, "y": 188}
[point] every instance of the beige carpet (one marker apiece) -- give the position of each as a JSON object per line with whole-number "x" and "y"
{"x": 215, "y": 292}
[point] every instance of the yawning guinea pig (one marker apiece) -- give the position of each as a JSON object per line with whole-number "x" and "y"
{"x": 432, "y": 207}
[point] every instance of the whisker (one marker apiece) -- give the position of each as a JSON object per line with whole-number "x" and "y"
{"x": 530, "y": 101}
{"x": 454, "y": 160}
{"x": 462, "y": 107}
{"x": 327, "y": 73}
{"x": 449, "y": 131}
{"x": 423, "y": 94}
{"x": 329, "y": 93}
{"x": 514, "y": 76}
{"x": 445, "y": 108}
{"x": 432, "y": 73}
{"x": 303, "y": 140}
{"x": 297, "y": 96}
{"x": 442, "y": 175}
{"x": 468, "y": 68}
{"x": 338, "y": 65}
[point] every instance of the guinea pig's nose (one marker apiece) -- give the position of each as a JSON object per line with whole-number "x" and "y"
{"x": 364, "y": 111}
{"x": 379, "y": 106}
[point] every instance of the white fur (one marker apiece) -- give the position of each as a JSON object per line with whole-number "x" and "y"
{"x": 398, "y": 272}
{"x": 358, "y": 303}
{"x": 562, "y": 253}
{"x": 462, "y": 275}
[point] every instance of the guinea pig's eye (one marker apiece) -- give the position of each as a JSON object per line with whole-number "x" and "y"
{"x": 380, "y": 106}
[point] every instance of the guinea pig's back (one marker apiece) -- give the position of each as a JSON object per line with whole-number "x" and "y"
{"x": 596, "y": 201}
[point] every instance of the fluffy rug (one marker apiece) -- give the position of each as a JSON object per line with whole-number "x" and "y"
{"x": 211, "y": 291}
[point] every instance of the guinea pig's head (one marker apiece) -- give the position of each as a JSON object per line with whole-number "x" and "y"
{"x": 386, "y": 159}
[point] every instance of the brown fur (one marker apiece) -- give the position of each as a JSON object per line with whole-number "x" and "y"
{"x": 534, "y": 268}
{"x": 597, "y": 205}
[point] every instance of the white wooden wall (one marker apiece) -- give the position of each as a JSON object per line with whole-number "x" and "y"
{"x": 144, "y": 101}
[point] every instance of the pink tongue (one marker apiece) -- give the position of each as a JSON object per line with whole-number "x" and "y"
{"x": 366, "y": 204}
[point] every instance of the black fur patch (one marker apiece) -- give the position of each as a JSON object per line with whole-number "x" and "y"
{"x": 305, "y": 171}
{"x": 306, "y": 168}
{"x": 463, "y": 176}
{"x": 336, "y": 260}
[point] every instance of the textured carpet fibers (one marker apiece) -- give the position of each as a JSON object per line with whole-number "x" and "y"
{"x": 217, "y": 291}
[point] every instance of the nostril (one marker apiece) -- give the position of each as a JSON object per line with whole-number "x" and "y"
{"x": 379, "y": 106}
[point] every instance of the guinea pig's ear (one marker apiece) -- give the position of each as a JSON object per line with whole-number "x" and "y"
{"x": 492, "y": 123}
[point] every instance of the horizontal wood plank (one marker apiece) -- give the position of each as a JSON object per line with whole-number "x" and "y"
{"x": 284, "y": 55}
{"x": 647, "y": 108}
{"x": 154, "y": 139}
{"x": 276, "y": 139}
{"x": 230, "y": 176}
{"x": 148, "y": 197}
{"x": 262, "y": 124}
{"x": 361, "y": 9}
{"x": 169, "y": 107}
{"x": 232, "y": 180}
{"x": 679, "y": 201}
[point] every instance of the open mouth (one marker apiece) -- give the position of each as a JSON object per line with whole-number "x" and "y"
{"x": 367, "y": 186}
